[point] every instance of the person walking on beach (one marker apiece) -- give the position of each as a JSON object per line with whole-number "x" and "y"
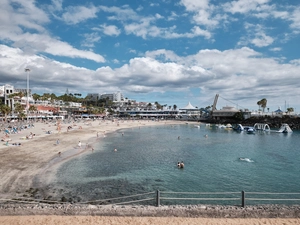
{"x": 79, "y": 144}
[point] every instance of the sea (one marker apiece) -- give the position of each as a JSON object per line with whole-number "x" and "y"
{"x": 216, "y": 160}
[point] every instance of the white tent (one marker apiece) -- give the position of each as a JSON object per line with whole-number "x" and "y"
{"x": 188, "y": 107}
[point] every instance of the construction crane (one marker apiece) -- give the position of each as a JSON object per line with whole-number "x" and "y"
{"x": 215, "y": 103}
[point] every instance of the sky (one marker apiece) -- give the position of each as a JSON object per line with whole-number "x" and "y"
{"x": 169, "y": 51}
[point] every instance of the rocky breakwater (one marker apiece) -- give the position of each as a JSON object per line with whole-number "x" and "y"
{"x": 275, "y": 122}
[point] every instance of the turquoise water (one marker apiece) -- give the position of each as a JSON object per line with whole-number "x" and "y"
{"x": 146, "y": 160}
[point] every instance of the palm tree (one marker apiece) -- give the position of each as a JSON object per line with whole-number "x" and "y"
{"x": 5, "y": 109}
{"x": 262, "y": 103}
{"x": 19, "y": 94}
{"x": 289, "y": 110}
{"x": 158, "y": 106}
{"x": 36, "y": 96}
{"x": 32, "y": 108}
{"x": 19, "y": 109}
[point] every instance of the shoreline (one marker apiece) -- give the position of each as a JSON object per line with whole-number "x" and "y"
{"x": 40, "y": 155}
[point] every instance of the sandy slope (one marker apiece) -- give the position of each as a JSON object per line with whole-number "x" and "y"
{"x": 78, "y": 220}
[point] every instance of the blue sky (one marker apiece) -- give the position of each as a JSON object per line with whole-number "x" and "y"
{"x": 170, "y": 51}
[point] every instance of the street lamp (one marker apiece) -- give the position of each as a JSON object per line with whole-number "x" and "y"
{"x": 27, "y": 101}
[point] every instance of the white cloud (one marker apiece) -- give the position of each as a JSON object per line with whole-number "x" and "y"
{"x": 173, "y": 16}
{"x": 145, "y": 26}
{"x": 90, "y": 39}
{"x": 295, "y": 62}
{"x": 158, "y": 16}
{"x": 262, "y": 40}
{"x": 236, "y": 73}
{"x": 122, "y": 14}
{"x": 203, "y": 12}
{"x": 244, "y": 6}
{"x": 21, "y": 15}
{"x": 23, "y": 25}
{"x": 116, "y": 61}
{"x": 191, "y": 5}
{"x": 77, "y": 14}
{"x": 110, "y": 30}
{"x": 295, "y": 18}
{"x": 56, "y": 47}
{"x": 255, "y": 34}
{"x": 140, "y": 8}
{"x": 32, "y": 43}
{"x": 154, "y": 4}
{"x": 46, "y": 74}
{"x": 277, "y": 49}
{"x": 55, "y": 6}
{"x": 144, "y": 29}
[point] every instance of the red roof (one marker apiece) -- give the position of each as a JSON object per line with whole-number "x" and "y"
{"x": 47, "y": 108}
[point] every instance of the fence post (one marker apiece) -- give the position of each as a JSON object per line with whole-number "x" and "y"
{"x": 157, "y": 198}
{"x": 243, "y": 199}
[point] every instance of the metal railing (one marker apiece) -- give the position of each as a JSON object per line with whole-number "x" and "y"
{"x": 276, "y": 197}
{"x": 198, "y": 197}
{"x": 173, "y": 198}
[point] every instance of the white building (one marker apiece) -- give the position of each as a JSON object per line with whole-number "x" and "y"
{"x": 118, "y": 97}
{"x": 94, "y": 96}
{"x": 115, "y": 97}
{"x": 5, "y": 91}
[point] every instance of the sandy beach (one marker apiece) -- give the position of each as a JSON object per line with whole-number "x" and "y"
{"x": 51, "y": 142}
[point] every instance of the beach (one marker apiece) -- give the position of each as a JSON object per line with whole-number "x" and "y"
{"x": 47, "y": 145}
{"x": 53, "y": 142}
